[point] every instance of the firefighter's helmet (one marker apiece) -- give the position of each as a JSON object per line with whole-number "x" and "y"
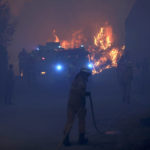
{"x": 86, "y": 70}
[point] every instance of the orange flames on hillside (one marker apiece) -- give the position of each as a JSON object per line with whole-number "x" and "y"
{"x": 75, "y": 42}
{"x": 55, "y": 36}
{"x": 102, "y": 53}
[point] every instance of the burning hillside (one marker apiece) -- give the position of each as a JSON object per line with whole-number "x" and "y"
{"x": 102, "y": 53}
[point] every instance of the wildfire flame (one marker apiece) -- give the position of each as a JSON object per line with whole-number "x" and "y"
{"x": 55, "y": 36}
{"x": 75, "y": 42}
{"x": 104, "y": 39}
{"x": 102, "y": 53}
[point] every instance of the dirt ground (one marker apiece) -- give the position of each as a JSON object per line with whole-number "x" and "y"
{"x": 36, "y": 119}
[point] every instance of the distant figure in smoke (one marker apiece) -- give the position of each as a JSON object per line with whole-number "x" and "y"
{"x": 125, "y": 76}
{"x": 76, "y": 106}
{"x": 31, "y": 76}
{"x": 23, "y": 60}
{"x": 145, "y": 75}
{"x": 3, "y": 68}
{"x": 9, "y": 85}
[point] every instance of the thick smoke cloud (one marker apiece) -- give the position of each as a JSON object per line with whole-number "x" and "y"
{"x": 17, "y": 6}
{"x": 37, "y": 19}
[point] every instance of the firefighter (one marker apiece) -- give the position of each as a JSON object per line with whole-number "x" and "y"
{"x": 9, "y": 85}
{"x": 76, "y": 106}
{"x": 125, "y": 75}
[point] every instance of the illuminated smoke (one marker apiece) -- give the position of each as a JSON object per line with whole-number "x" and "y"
{"x": 17, "y": 5}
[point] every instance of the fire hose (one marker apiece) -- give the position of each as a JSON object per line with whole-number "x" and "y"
{"x": 93, "y": 115}
{"x": 110, "y": 132}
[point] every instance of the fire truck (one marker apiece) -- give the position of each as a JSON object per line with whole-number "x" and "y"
{"x": 52, "y": 62}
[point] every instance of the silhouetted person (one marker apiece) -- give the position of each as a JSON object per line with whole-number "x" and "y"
{"x": 31, "y": 70}
{"x": 76, "y": 106}
{"x": 9, "y": 85}
{"x": 125, "y": 75}
{"x": 23, "y": 60}
{"x": 145, "y": 75}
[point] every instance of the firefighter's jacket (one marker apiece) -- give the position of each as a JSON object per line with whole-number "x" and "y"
{"x": 77, "y": 92}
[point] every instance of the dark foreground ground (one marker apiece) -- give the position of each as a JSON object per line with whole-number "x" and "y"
{"x": 36, "y": 119}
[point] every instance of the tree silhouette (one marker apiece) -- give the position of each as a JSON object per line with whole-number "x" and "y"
{"x": 7, "y": 26}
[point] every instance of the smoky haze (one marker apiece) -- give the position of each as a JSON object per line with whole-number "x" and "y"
{"x": 37, "y": 19}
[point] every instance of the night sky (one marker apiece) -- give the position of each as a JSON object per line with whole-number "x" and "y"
{"x": 37, "y": 18}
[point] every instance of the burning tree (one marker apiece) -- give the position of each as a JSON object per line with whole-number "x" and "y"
{"x": 103, "y": 53}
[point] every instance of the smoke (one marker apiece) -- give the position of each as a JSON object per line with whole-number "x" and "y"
{"x": 69, "y": 15}
{"x": 38, "y": 18}
{"x": 17, "y": 6}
